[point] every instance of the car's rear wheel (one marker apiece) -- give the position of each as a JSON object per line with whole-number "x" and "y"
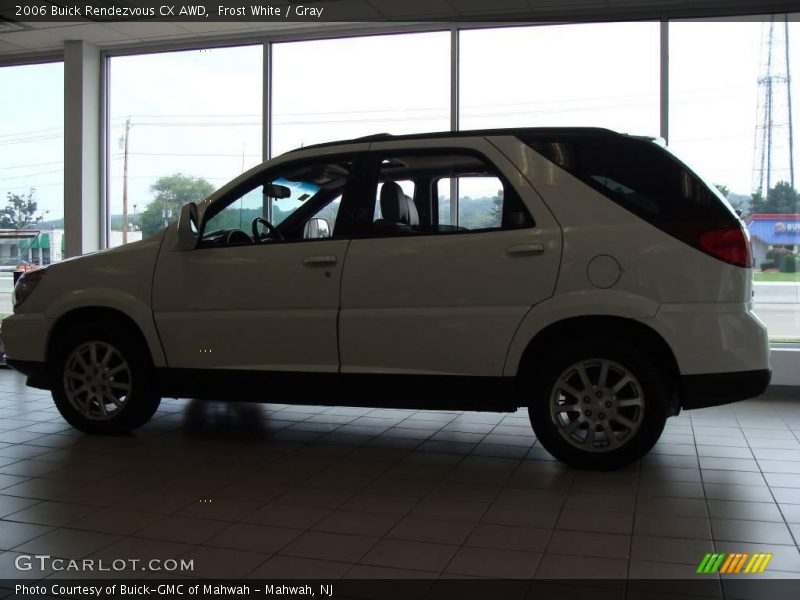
{"x": 101, "y": 379}
{"x": 597, "y": 404}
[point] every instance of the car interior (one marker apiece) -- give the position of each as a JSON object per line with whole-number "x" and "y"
{"x": 412, "y": 197}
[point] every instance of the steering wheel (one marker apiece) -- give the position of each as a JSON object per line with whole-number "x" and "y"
{"x": 235, "y": 237}
{"x": 272, "y": 232}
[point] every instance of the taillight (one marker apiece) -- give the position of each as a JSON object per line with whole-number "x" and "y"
{"x": 727, "y": 242}
{"x": 730, "y": 244}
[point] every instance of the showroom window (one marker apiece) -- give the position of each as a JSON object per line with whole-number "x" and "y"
{"x": 31, "y": 169}
{"x": 184, "y": 124}
{"x": 345, "y": 88}
{"x": 716, "y": 118}
{"x": 599, "y": 75}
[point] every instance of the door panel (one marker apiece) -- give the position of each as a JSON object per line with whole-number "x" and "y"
{"x": 446, "y": 303}
{"x": 439, "y": 304}
{"x": 259, "y": 307}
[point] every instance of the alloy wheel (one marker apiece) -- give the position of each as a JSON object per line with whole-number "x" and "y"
{"x": 97, "y": 380}
{"x": 597, "y": 405}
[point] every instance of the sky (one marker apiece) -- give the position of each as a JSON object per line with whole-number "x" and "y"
{"x": 199, "y": 112}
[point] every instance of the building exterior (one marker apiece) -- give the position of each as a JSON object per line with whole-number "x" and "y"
{"x": 36, "y": 247}
{"x": 778, "y": 230}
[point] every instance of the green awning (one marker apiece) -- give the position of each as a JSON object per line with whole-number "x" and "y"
{"x": 37, "y": 243}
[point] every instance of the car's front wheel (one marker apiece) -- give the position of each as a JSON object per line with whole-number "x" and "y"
{"x": 597, "y": 404}
{"x": 101, "y": 379}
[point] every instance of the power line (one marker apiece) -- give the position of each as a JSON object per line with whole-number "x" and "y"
{"x": 42, "y": 164}
{"x": 30, "y": 132}
{"x": 32, "y": 174}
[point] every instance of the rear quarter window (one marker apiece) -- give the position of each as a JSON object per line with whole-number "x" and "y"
{"x": 638, "y": 175}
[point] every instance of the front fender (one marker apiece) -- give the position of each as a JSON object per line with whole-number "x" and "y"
{"x": 100, "y": 297}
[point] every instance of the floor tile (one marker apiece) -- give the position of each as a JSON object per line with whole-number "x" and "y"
{"x": 182, "y": 529}
{"x": 670, "y": 549}
{"x": 299, "y": 517}
{"x": 111, "y": 520}
{"x": 502, "y": 564}
{"x": 673, "y": 526}
{"x": 406, "y": 554}
{"x": 751, "y": 531}
{"x": 356, "y": 523}
{"x": 254, "y": 538}
{"x": 13, "y": 534}
{"x": 56, "y": 514}
{"x": 589, "y": 543}
{"x": 503, "y": 513}
{"x": 431, "y": 530}
{"x": 554, "y": 566}
{"x": 68, "y": 543}
{"x": 751, "y": 511}
{"x": 330, "y": 546}
{"x": 599, "y": 521}
{"x": 530, "y": 539}
{"x": 224, "y": 563}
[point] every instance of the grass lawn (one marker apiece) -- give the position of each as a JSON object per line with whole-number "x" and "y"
{"x": 776, "y": 276}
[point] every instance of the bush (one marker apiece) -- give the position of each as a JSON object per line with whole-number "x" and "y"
{"x": 777, "y": 254}
{"x": 789, "y": 264}
{"x": 768, "y": 264}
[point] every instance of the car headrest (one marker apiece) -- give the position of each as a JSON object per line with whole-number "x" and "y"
{"x": 394, "y": 206}
{"x": 413, "y": 215}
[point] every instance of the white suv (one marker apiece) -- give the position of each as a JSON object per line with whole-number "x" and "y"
{"x": 586, "y": 275}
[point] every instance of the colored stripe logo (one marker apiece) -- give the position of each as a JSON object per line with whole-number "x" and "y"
{"x": 735, "y": 562}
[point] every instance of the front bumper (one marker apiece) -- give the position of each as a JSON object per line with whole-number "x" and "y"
{"x": 34, "y": 370}
{"x": 714, "y": 389}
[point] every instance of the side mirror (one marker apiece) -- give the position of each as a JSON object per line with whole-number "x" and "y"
{"x": 188, "y": 227}
{"x": 317, "y": 228}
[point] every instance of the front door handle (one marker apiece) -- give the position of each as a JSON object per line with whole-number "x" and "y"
{"x": 318, "y": 261}
{"x": 529, "y": 249}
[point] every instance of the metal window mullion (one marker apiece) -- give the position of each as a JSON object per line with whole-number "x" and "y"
{"x": 266, "y": 114}
{"x": 454, "y": 115}
{"x": 664, "y": 81}
{"x": 105, "y": 131}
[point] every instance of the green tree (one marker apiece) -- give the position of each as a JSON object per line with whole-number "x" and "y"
{"x": 783, "y": 198}
{"x": 19, "y": 211}
{"x": 723, "y": 189}
{"x": 169, "y": 194}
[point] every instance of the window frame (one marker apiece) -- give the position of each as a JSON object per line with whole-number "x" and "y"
{"x": 297, "y": 219}
{"x": 375, "y": 157}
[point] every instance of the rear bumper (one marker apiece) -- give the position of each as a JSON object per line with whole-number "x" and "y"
{"x": 713, "y": 389}
{"x": 34, "y": 370}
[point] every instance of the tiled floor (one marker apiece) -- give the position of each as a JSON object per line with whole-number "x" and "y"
{"x": 296, "y": 491}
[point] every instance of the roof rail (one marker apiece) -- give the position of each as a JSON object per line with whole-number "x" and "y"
{"x": 544, "y": 131}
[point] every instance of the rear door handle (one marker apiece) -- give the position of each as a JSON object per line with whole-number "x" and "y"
{"x": 315, "y": 261}
{"x": 522, "y": 249}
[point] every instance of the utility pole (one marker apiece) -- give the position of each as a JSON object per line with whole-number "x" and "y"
{"x": 125, "y": 184}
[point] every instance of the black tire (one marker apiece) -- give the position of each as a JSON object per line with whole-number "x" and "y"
{"x": 649, "y": 388}
{"x": 139, "y": 404}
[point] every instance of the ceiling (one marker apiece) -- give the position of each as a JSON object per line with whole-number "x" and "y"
{"x": 27, "y": 40}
